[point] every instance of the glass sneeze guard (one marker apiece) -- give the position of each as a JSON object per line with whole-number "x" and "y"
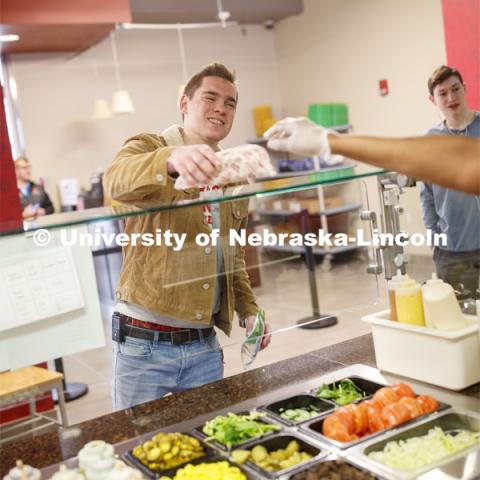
{"x": 263, "y": 187}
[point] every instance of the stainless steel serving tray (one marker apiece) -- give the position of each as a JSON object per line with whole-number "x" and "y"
{"x": 303, "y": 400}
{"x": 461, "y": 465}
{"x": 281, "y": 441}
{"x": 314, "y": 427}
{"x": 302, "y": 468}
{"x": 352, "y": 455}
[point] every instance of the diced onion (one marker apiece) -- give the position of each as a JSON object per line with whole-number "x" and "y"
{"x": 417, "y": 452}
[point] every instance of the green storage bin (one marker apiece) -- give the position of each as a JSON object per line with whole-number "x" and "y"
{"x": 328, "y": 114}
{"x": 321, "y": 113}
{"x": 340, "y": 114}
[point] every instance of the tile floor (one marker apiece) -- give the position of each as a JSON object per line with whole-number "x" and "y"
{"x": 346, "y": 291}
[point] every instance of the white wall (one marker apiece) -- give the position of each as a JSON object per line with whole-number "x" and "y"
{"x": 56, "y": 93}
{"x": 338, "y": 50}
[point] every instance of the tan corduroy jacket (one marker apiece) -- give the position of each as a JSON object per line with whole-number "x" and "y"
{"x": 177, "y": 284}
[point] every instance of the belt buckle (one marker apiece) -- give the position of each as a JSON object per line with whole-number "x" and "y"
{"x": 176, "y": 339}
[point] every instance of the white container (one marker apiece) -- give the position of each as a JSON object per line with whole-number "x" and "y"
{"x": 441, "y": 307}
{"x": 449, "y": 359}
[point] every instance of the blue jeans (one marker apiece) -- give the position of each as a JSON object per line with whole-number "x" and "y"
{"x": 144, "y": 370}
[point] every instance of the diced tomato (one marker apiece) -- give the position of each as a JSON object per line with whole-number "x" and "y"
{"x": 374, "y": 417}
{"x": 347, "y": 418}
{"x": 359, "y": 412}
{"x": 333, "y": 428}
{"x": 427, "y": 403}
{"x": 413, "y": 406}
{"x": 384, "y": 396}
{"x": 403, "y": 390}
{"x": 374, "y": 411}
{"x": 372, "y": 402}
{"x": 395, "y": 414}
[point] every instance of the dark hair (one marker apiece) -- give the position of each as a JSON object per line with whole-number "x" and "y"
{"x": 211, "y": 70}
{"x": 440, "y": 75}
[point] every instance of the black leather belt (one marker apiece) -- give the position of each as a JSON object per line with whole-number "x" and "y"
{"x": 179, "y": 337}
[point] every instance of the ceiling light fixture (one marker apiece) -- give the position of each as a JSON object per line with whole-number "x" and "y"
{"x": 172, "y": 26}
{"x": 101, "y": 110}
{"x": 9, "y": 38}
{"x": 183, "y": 58}
{"x": 121, "y": 103}
{"x": 222, "y": 14}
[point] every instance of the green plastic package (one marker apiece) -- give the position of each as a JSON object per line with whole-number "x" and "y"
{"x": 251, "y": 344}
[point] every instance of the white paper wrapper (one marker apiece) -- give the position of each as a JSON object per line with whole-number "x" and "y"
{"x": 239, "y": 164}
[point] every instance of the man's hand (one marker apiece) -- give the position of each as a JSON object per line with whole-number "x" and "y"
{"x": 249, "y": 322}
{"x": 41, "y": 212}
{"x": 300, "y": 136}
{"x": 197, "y": 164}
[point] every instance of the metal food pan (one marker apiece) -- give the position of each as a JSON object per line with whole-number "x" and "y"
{"x": 298, "y": 401}
{"x": 368, "y": 475}
{"x": 364, "y": 384}
{"x": 462, "y": 465}
{"x": 198, "y": 432}
{"x": 314, "y": 427}
{"x": 149, "y": 473}
{"x": 281, "y": 441}
{"x": 217, "y": 458}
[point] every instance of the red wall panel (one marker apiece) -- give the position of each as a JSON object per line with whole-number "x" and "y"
{"x": 462, "y": 37}
{"x": 64, "y": 11}
{"x": 10, "y": 208}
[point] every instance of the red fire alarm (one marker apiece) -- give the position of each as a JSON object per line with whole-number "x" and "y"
{"x": 383, "y": 87}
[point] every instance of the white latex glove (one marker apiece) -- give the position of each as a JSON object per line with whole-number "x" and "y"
{"x": 301, "y": 136}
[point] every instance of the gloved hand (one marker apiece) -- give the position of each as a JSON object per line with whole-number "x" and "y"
{"x": 301, "y": 136}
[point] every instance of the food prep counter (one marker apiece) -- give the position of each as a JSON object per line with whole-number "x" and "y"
{"x": 187, "y": 411}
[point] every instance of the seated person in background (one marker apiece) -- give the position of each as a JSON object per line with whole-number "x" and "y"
{"x": 33, "y": 197}
{"x": 445, "y": 210}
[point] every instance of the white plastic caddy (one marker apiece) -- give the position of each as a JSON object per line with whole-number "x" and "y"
{"x": 449, "y": 359}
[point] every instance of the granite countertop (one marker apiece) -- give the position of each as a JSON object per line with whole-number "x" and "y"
{"x": 61, "y": 444}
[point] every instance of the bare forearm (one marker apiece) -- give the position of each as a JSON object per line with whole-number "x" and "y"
{"x": 453, "y": 162}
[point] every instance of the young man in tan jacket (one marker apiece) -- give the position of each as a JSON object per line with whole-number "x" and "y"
{"x": 169, "y": 300}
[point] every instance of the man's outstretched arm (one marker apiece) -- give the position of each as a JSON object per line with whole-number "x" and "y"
{"x": 452, "y": 162}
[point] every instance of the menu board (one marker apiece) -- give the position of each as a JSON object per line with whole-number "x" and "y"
{"x": 49, "y": 305}
{"x": 38, "y": 285}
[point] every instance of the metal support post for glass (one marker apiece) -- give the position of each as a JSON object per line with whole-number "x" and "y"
{"x": 71, "y": 390}
{"x": 317, "y": 319}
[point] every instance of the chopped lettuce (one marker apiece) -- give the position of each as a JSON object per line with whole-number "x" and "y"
{"x": 234, "y": 429}
{"x": 417, "y": 452}
{"x": 343, "y": 393}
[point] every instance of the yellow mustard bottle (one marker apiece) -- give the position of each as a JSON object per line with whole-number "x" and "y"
{"x": 409, "y": 302}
